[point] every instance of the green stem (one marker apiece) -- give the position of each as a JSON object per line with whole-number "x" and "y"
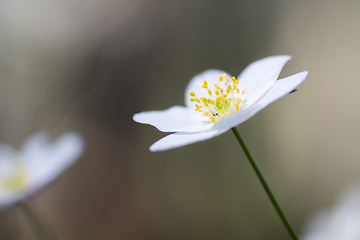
{"x": 263, "y": 182}
{"x": 38, "y": 223}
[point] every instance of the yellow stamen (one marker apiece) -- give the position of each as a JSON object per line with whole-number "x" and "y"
{"x": 205, "y": 84}
{"x": 228, "y": 89}
{"x": 226, "y": 77}
{"x": 224, "y": 103}
{"x": 198, "y": 108}
{"x": 17, "y": 180}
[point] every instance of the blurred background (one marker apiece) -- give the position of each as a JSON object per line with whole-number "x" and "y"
{"x": 90, "y": 65}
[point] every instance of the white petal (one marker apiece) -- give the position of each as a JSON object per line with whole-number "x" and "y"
{"x": 67, "y": 149}
{"x": 6, "y": 162}
{"x": 6, "y": 154}
{"x": 258, "y": 78}
{"x": 35, "y": 145}
{"x": 182, "y": 139}
{"x": 7, "y": 198}
{"x": 174, "y": 119}
{"x": 210, "y": 76}
{"x": 58, "y": 157}
{"x": 281, "y": 88}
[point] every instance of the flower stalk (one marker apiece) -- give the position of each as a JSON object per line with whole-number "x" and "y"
{"x": 264, "y": 184}
{"x": 38, "y": 223}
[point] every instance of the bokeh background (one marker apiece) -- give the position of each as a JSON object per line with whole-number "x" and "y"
{"x": 89, "y": 65}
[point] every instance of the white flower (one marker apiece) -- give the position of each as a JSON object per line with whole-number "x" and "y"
{"x": 38, "y": 163}
{"x": 339, "y": 223}
{"x": 215, "y": 102}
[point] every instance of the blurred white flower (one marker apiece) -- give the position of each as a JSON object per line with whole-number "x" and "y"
{"x": 215, "y": 102}
{"x": 25, "y": 172}
{"x": 340, "y": 223}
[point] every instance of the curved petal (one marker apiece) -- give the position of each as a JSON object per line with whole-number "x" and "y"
{"x": 258, "y": 78}
{"x": 195, "y": 85}
{"x": 174, "y": 119}
{"x": 6, "y": 154}
{"x": 35, "y": 145}
{"x": 182, "y": 139}
{"x": 281, "y": 88}
{"x": 66, "y": 150}
{"x": 59, "y": 155}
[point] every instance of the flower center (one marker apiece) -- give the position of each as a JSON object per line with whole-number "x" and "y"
{"x": 16, "y": 179}
{"x": 224, "y": 103}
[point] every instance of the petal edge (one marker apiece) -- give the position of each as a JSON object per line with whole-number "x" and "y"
{"x": 177, "y": 140}
{"x": 259, "y": 77}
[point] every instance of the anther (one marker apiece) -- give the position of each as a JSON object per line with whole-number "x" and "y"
{"x": 228, "y": 89}
{"x": 205, "y": 84}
